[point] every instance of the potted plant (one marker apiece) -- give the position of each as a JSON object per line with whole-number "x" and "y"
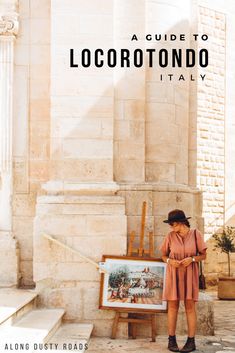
{"x": 225, "y": 242}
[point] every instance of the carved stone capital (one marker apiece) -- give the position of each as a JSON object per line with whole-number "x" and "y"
{"x": 9, "y": 24}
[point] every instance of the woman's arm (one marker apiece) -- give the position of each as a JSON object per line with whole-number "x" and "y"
{"x": 200, "y": 257}
{"x": 188, "y": 260}
{"x": 172, "y": 262}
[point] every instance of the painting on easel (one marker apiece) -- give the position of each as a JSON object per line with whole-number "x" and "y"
{"x": 133, "y": 283}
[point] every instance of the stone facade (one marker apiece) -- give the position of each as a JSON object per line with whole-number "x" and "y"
{"x": 90, "y": 145}
{"x": 211, "y": 123}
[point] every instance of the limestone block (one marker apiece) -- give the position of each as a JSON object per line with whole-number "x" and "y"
{"x": 124, "y": 28}
{"x": 42, "y": 270}
{"x": 73, "y": 271}
{"x": 82, "y": 209}
{"x": 42, "y": 36}
{"x": 26, "y": 272}
{"x": 137, "y": 131}
{"x": 131, "y": 86}
{"x": 39, "y": 55}
{"x": 91, "y": 107}
{"x": 96, "y": 247}
{"x": 9, "y": 260}
{"x": 39, "y": 109}
{"x": 87, "y": 169}
{"x": 70, "y": 7}
{"x": 24, "y": 205}
{"x": 131, "y": 150}
{"x": 181, "y": 97}
{"x": 134, "y": 109}
{"x": 40, "y": 9}
{"x": 39, "y": 88}
{"x": 40, "y": 72}
{"x": 160, "y": 112}
{"x": 96, "y": 24}
{"x": 91, "y": 294}
{"x": 158, "y": 241}
{"x": 87, "y": 148}
{"x": 129, "y": 170}
{"x": 20, "y": 104}
{"x": 145, "y": 330}
{"x": 61, "y": 298}
{"x": 22, "y": 54}
{"x": 134, "y": 201}
{"x": 103, "y": 328}
{"x": 82, "y": 128}
{"x": 24, "y": 9}
{"x": 73, "y": 225}
{"x": 134, "y": 224}
{"x": 160, "y": 172}
{"x": 108, "y": 224}
{"x": 74, "y": 83}
{"x": 20, "y": 175}
{"x": 23, "y": 226}
{"x": 46, "y": 251}
{"x": 160, "y": 228}
{"x": 94, "y": 209}
{"x": 130, "y": 8}
{"x": 165, "y": 201}
{"x": 167, "y": 153}
{"x": 181, "y": 172}
{"x": 39, "y": 147}
{"x": 156, "y": 132}
{"x": 24, "y": 30}
{"x": 39, "y": 170}
{"x": 160, "y": 93}
{"x": 26, "y": 248}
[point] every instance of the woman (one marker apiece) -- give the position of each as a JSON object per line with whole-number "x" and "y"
{"x": 182, "y": 249}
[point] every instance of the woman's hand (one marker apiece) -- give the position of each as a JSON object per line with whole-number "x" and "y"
{"x": 174, "y": 263}
{"x": 186, "y": 262}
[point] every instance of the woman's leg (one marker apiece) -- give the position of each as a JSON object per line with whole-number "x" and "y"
{"x": 173, "y": 307}
{"x": 191, "y": 317}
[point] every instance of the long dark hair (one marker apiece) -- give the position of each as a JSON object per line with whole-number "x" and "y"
{"x": 186, "y": 222}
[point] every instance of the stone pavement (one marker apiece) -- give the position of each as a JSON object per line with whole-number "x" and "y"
{"x": 223, "y": 341}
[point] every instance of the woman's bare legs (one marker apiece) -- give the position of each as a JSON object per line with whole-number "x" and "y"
{"x": 191, "y": 317}
{"x": 173, "y": 307}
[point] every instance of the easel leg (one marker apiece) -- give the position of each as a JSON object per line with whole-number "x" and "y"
{"x": 115, "y": 325}
{"x": 154, "y": 327}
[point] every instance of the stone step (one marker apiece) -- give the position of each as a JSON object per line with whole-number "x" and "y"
{"x": 14, "y": 303}
{"x": 70, "y": 337}
{"x": 32, "y": 329}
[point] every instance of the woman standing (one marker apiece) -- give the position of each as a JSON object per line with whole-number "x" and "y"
{"x": 182, "y": 249}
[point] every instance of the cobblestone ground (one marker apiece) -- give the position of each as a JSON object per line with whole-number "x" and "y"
{"x": 223, "y": 341}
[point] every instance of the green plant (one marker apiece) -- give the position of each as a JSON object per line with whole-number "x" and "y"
{"x": 225, "y": 242}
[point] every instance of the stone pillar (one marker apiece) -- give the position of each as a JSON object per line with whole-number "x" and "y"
{"x": 129, "y": 95}
{"x": 81, "y": 98}
{"x": 8, "y": 252}
{"x": 80, "y": 207}
{"x": 167, "y": 103}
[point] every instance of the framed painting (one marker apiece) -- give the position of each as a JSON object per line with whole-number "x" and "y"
{"x": 133, "y": 284}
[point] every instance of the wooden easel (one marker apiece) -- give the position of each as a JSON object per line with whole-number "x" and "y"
{"x": 137, "y": 317}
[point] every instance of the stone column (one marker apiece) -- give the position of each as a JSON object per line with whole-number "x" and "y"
{"x": 167, "y": 102}
{"x": 8, "y": 252}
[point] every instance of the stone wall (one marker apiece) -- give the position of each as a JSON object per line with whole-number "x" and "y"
{"x": 101, "y": 126}
{"x": 93, "y": 225}
{"x": 31, "y": 148}
{"x": 216, "y": 166}
{"x": 211, "y": 122}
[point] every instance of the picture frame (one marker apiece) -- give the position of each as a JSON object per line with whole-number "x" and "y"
{"x": 133, "y": 284}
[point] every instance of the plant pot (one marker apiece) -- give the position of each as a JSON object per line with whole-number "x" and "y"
{"x": 226, "y": 288}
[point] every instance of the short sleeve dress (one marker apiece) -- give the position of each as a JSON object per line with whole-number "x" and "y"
{"x": 183, "y": 282}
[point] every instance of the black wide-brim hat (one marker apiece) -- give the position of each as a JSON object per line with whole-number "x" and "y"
{"x": 176, "y": 216}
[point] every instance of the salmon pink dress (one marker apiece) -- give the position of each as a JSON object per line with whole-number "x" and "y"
{"x": 183, "y": 282}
